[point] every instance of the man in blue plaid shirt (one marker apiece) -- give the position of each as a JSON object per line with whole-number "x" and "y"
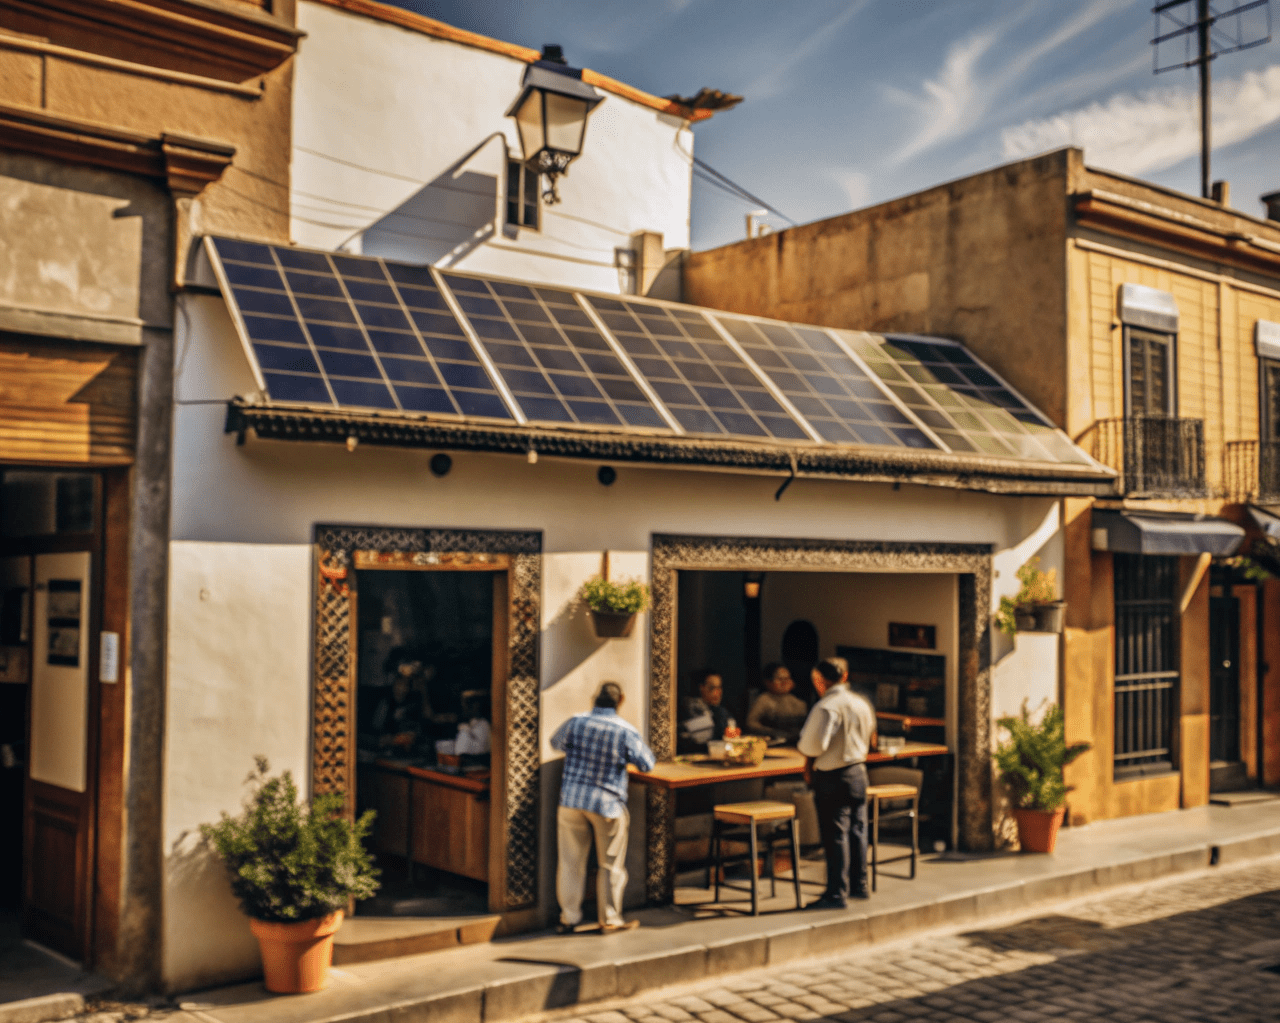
{"x": 597, "y": 748}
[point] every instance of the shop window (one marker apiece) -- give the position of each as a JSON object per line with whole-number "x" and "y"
{"x": 1146, "y": 664}
{"x": 42, "y": 503}
{"x": 522, "y": 195}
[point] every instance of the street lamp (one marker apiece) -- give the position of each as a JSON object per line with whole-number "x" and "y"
{"x": 551, "y": 115}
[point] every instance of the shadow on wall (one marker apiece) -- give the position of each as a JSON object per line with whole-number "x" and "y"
{"x": 207, "y": 941}
{"x": 448, "y": 217}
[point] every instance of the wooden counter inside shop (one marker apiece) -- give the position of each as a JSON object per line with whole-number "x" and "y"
{"x": 436, "y": 819}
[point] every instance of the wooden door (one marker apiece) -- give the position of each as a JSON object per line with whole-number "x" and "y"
{"x": 58, "y": 812}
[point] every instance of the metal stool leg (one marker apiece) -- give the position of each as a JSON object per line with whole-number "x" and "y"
{"x": 915, "y": 833}
{"x": 875, "y": 839}
{"x": 795, "y": 859}
{"x": 755, "y": 873}
{"x": 717, "y": 864}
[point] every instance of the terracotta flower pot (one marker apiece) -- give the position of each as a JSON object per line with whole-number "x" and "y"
{"x": 612, "y": 624}
{"x": 1038, "y": 829}
{"x": 296, "y": 956}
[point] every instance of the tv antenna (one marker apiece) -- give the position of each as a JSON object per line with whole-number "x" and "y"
{"x": 1217, "y": 33}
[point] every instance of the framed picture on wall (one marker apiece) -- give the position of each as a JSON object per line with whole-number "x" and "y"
{"x": 920, "y": 637}
{"x": 63, "y": 611}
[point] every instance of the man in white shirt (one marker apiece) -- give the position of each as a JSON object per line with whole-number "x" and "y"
{"x": 836, "y": 738}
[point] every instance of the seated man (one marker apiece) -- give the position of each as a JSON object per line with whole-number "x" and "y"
{"x": 704, "y": 717}
{"x": 777, "y": 712}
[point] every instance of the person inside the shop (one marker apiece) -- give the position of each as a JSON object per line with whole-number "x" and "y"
{"x": 474, "y": 730}
{"x": 397, "y": 720}
{"x": 777, "y": 712}
{"x": 705, "y": 717}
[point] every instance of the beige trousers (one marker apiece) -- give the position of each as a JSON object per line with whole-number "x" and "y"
{"x": 576, "y": 830}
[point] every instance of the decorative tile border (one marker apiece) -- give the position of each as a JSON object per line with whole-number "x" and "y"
{"x": 333, "y": 745}
{"x": 971, "y": 562}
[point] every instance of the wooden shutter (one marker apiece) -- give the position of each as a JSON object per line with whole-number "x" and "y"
{"x": 67, "y": 403}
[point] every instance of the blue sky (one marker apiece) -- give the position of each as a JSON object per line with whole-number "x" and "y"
{"x": 855, "y": 102}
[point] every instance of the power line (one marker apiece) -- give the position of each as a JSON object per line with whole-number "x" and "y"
{"x": 727, "y": 184}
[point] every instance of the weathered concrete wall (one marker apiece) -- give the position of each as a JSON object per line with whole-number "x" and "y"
{"x": 981, "y": 260}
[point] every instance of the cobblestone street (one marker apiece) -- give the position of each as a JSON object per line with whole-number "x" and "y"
{"x": 1205, "y": 948}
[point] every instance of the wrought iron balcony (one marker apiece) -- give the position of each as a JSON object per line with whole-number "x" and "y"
{"x": 1251, "y": 470}
{"x": 1159, "y": 456}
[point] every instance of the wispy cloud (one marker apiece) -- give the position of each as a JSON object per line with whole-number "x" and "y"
{"x": 1154, "y": 129}
{"x": 855, "y": 185}
{"x": 960, "y": 95}
{"x": 774, "y": 80}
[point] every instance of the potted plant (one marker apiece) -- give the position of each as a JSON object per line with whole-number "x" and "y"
{"x": 614, "y": 606}
{"x": 1036, "y": 607}
{"x": 1031, "y": 764}
{"x": 294, "y": 867}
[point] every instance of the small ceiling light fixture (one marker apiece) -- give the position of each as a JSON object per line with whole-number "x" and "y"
{"x": 606, "y": 474}
{"x": 751, "y": 584}
{"x": 533, "y": 456}
{"x": 352, "y": 441}
{"x": 441, "y": 464}
{"x": 551, "y": 115}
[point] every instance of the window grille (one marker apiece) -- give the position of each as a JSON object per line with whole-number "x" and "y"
{"x": 522, "y": 195}
{"x": 1146, "y": 663}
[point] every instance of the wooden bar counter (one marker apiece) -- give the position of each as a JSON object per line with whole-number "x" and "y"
{"x": 436, "y": 819}
{"x": 690, "y": 771}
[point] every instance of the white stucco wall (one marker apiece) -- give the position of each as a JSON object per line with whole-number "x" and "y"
{"x": 398, "y": 151}
{"x": 240, "y": 656}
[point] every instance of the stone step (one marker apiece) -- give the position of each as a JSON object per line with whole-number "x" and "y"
{"x": 363, "y": 939}
{"x": 1242, "y": 798}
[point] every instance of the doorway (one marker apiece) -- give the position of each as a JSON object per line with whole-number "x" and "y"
{"x": 1227, "y": 770}
{"x": 426, "y": 666}
{"x": 50, "y": 584}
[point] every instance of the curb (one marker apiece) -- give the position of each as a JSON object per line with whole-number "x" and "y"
{"x": 42, "y": 1009}
{"x": 561, "y": 986}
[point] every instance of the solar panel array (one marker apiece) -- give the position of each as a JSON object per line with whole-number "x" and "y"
{"x": 703, "y": 382}
{"x": 967, "y": 407}
{"x": 558, "y": 366}
{"x": 836, "y": 396}
{"x": 338, "y": 330}
{"x": 362, "y": 332}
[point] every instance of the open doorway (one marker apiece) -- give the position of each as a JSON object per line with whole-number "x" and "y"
{"x": 430, "y": 663}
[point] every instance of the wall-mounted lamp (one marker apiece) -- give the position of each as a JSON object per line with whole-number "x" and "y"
{"x": 551, "y": 115}
{"x": 751, "y": 584}
{"x": 441, "y": 464}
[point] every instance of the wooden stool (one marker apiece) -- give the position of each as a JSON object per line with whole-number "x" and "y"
{"x": 876, "y": 793}
{"x": 751, "y": 816}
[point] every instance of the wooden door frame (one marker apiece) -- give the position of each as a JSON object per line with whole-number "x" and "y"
{"x": 514, "y": 796}
{"x": 970, "y": 562}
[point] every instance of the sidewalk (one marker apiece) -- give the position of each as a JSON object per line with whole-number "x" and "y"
{"x": 532, "y": 973}
{"x": 36, "y": 985}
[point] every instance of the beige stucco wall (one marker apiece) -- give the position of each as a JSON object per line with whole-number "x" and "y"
{"x": 247, "y": 513}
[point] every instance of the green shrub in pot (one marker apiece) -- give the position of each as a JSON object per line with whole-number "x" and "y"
{"x": 1031, "y": 763}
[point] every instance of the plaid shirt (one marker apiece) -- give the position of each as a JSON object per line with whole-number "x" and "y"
{"x": 597, "y": 748}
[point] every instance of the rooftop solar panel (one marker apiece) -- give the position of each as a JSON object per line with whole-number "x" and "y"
{"x": 340, "y": 330}
{"x": 703, "y": 382}
{"x": 963, "y": 402}
{"x": 838, "y": 398}
{"x": 558, "y": 367}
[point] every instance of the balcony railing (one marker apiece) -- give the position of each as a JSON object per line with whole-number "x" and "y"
{"x": 1251, "y": 470}
{"x": 1160, "y": 456}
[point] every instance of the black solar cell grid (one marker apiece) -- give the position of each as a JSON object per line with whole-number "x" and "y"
{"x": 333, "y": 329}
{"x": 827, "y": 387}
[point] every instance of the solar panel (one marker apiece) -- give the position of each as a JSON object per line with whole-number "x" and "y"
{"x": 702, "y": 381}
{"x": 341, "y": 330}
{"x": 966, "y": 405}
{"x": 558, "y": 367}
{"x": 838, "y": 398}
